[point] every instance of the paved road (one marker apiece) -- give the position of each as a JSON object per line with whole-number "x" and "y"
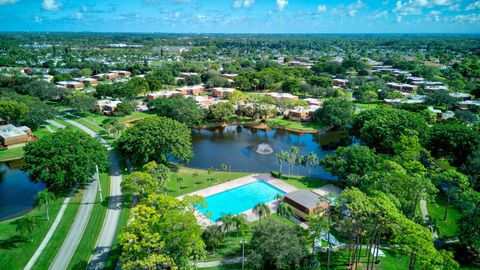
{"x": 110, "y": 225}
{"x": 64, "y": 255}
{"x": 56, "y": 124}
{"x": 50, "y": 232}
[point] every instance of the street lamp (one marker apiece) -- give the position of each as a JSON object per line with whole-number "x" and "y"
{"x": 243, "y": 253}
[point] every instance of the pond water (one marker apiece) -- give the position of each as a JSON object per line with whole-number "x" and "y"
{"x": 17, "y": 192}
{"x": 253, "y": 150}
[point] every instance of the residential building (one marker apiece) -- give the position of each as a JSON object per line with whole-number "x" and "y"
{"x": 12, "y": 136}
{"x": 305, "y": 202}
{"x": 87, "y": 81}
{"x": 191, "y": 90}
{"x": 106, "y": 76}
{"x": 301, "y": 113}
{"x": 70, "y": 85}
{"x": 122, "y": 73}
{"x": 161, "y": 94}
{"x": 314, "y": 102}
{"x": 340, "y": 82}
{"x": 402, "y": 87}
{"x": 221, "y": 92}
{"x": 107, "y": 106}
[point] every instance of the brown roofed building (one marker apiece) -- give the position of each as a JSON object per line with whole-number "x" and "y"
{"x": 305, "y": 202}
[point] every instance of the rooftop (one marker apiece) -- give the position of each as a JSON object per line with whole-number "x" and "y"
{"x": 306, "y": 198}
{"x": 11, "y": 131}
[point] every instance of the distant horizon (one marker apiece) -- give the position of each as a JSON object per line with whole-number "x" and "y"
{"x": 253, "y": 33}
{"x": 242, "y": 16}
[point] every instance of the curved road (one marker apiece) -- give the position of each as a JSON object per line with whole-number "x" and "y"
{"x": 112, "y": 218}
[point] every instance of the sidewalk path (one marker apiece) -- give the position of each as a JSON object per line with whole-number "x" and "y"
{"x": 112, "y": 218}
{"x": 219, "y": 263}
{"x": 64, "y": 255}
{"x": 424, "y": 210}
{"x": 50, "y": 232}
{"x": 56, "y": 124}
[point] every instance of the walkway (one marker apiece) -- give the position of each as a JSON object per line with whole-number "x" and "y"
{"x": 219, "y": 263}
{"x": 424, "y": 210}
{"x": 50, "y": 232}
{"x": 112, "y": 217}
{"x": 64, "y": 255}
{"x": 56, "y": 124}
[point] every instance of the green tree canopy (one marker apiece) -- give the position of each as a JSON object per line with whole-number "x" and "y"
{"x": 64, "y": 159}
{"x": 276, "y": 246}
{"x": 336, "y": 112}
{"x": 179, "y": 108}
{"x": 156, "y": 139}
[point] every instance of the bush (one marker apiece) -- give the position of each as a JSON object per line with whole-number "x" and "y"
{"x": 276, "y": 174}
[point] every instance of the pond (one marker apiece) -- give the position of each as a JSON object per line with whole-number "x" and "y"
{"x": 17, "y": 192}
{"x": 253, "y": 150}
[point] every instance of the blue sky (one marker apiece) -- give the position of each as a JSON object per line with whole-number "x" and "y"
{"x": 242, "y": 16}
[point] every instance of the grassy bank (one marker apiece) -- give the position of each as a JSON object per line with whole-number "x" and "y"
{"x": 446, "y": 228}
{"x": 61, "y": 232}
{"x": 190, "y": 183}
{"x": 89, "y": 240}
{"x": 280, "y": 122}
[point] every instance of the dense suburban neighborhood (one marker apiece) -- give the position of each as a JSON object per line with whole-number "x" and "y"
{"x": 240, "y": 151}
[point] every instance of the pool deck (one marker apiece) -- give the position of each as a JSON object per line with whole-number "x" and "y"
{"x": 205, "y": 221}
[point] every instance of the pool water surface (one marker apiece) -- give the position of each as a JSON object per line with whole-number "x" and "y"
{"x": 239, "y": 199}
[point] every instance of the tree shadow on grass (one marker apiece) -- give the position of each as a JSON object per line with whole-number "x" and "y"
{"x": 12, "y": 242}
{"x": 80, "y": 265}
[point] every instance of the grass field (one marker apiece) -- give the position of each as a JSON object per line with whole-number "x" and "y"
{"x": 89, "y": 240}
{"x": 280, "y": 122}
{"x": 305, "y": 182}
{"x": 16, "y": 250}
{"x": 448, "y": 228}
{"x": 189, "y": 184}
{"x": 61, "y": 232}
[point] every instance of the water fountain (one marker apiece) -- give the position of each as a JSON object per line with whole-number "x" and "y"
{"x": 264, "y": 149}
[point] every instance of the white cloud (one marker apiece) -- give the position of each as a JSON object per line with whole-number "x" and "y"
{"x": 473, "y": 6}
{"x": 243, "y": 3}
{"x": 469, "y": 18}
{"x": 455, "y": 7}
{"x": 352, "y": 9}
{"x": 78, "y": 15}
{"x": 37, "y": 19}
{"x": 51, "y": 5}
{"x": 84, "y": 8}
{"x": 6, "y": 2}
{"x": 399, "y": 19}
{"x": 321, "y": 8}
{"x": 281, "y": 4}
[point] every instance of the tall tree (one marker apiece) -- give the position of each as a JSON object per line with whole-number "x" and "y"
{"x": 156, "y": 138}
{"x": 261, "y": 210}
{"x": 336, "y": 112}
{"x": 64, "y": 159}
{"x": 27, "y": 225}
{"x": 451, "y": 179}
{"x": 44, "y": 198}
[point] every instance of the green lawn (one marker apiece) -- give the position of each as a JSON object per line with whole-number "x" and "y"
{"x": 9, "y": 154}
{"x": 60, "y": 233}
{"x": 15, "y": 249}
{"x": 305, "y": 182}
{"x": 280, "y": 122}
{"x": 448, "y": 228}
{"x": 89, "y": 240}
{"x": 190, "y": 184}
{"x": 237, "y": 266}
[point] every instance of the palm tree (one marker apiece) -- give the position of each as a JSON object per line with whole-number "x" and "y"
{"x": 213, "y": 235}
{"x": 279, "y": 197}
{"x": 292, "y": 157}
{"x": 179, "y": 181}
{"x": 312, "y": 161}
{"x": 227, "y": 222}
{"x": 240, "y": 223}
{"x": 194, "y": 178}
{"x": 27, "y": 225}
{"x": 282, "y": 157}
{"x": 44, "y": 198}
{"x": 224, "y": 166}
{"x": 317, "y": 224}
{"x": 285, "y": 210}
{"x": 299, "y": 161}
{"x": 261, "y": 210}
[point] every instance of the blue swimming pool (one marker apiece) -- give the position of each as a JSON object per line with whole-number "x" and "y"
{"x": 239, "y": 199}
